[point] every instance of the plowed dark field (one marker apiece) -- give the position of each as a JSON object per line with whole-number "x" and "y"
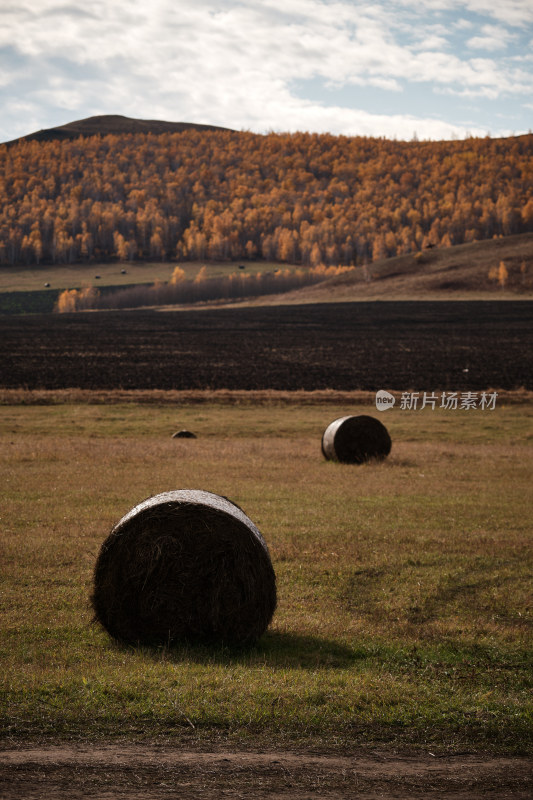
{"x": 409, "y": 346}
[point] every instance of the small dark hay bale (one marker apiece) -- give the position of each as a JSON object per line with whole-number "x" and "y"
{"x": 185, "y": 565}
{"x": 184, "y": 435}
{"x": 354, "y": 440}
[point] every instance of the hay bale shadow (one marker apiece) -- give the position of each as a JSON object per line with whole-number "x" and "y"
{"x": 282, "y": 649}
{"x": 276, "y": 649}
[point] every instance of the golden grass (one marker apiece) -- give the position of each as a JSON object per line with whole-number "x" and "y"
{"x": 240, "y": 397}
{"x": 404, "y": 587}
{"x": 66, "y": 276}
{"x": 447, "y": 273}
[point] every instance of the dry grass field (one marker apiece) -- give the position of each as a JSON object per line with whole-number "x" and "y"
{"x": 64, "y": 276}
{"x": 404, "y": 608}
{"x": 461, "y": 272}
{"x": 398, "y": 660}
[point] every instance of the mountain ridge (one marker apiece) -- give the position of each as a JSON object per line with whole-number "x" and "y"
{"x": 106, "y": 124}
{"x": 117, "y": 124}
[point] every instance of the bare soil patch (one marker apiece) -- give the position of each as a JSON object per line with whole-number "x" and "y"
{"x": 406, "y": 346}
{"x": 154, "y": 771}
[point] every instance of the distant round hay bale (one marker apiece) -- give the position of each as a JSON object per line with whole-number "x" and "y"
{"x": 356, "y": 439}
{"x": 185, "y": 565}
{"x": 184, "y": 435}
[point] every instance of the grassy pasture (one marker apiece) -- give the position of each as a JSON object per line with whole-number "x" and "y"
{"x": 76, "y": 276}
{"x": 22, "y": 289}
{"x": 404, "y": 588}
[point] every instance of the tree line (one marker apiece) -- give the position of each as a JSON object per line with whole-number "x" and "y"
{"x": 182, "y": 290}
{"x": 300, "y": 198}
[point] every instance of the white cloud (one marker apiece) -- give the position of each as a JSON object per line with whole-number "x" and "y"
{"x": 432, "y": 42}
{"x": 493, "y": 38}
{"x": 516, "y": 13}
{"x": 355, "y": 122}
{"x": 463, "y": 24}
{"x": 233, "y": 62}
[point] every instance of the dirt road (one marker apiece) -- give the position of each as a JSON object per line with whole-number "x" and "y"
{"x": 161, "y": 771}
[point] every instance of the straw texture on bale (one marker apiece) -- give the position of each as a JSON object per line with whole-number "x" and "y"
{"x": 185, "y": 565}
{"x": 356, "y": 439}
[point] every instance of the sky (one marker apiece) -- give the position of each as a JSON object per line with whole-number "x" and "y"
{"x": 432, "y": 69}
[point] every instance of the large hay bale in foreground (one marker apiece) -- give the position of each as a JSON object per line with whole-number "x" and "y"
{"x": 185, "y": 565}
{"x": 354, "y": 440}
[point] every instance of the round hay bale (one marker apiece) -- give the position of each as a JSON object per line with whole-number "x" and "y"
{"x": 184, "y": 435}
{"x": 185, "y": 565}
{"x": 354, "y": 440}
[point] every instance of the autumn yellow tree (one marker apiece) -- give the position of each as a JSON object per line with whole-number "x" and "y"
{"x": 503, "y": 274}
{"x": 178, "y": 275}
{"x": 66, "y": 302}
{"x": 201, "y": 275}
{"x": 301, "y": 198}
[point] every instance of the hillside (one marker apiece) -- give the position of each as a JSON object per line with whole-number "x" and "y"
{"x": 464, "y": 272}
{"x": 199, "y": 194}
{"x": 467, "y": 271}
{"x": 110, "y": 124}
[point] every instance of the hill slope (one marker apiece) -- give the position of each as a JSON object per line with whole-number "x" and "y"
{"x": 222, "y": 195}
{"x": 105, "y": 124}
{"x": 448, "y": 273}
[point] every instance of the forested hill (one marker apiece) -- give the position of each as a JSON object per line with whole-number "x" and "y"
{"x": 115, "y": 124}
{"x": 217, "y": 194}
